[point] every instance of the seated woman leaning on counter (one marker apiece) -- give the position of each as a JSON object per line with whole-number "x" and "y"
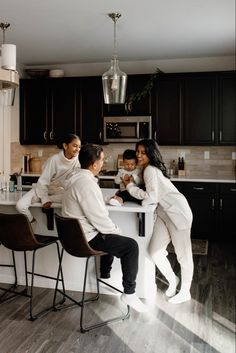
{"x": 57, "y": 169}
{"x": 173, "y": 222}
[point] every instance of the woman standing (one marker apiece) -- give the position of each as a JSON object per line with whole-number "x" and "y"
{"x": 50, "y": 186}
{"x": 173, "y": 221}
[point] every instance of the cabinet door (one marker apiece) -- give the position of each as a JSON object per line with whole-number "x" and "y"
{"x": 202, "y": 199}
{"x": 63, "y": 110}
{"x": 199, "y": 110}
{"x": 91, "y": 109}
{"x": 33, "y": 111}
{"x": 227, "y": 109}
{"x": 135, "y": 84}
{"x": 167, "y": 120}
{"x": 227, "y": 211}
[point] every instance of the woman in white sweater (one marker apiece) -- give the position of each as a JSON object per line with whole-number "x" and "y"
{"x": 173, "y": 219}
{"x": 56, "y": 171}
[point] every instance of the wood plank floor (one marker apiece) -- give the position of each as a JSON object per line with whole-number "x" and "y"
{"x": 206, "y": 324}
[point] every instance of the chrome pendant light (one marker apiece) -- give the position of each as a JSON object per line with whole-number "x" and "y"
{"x": 114, "y": 80}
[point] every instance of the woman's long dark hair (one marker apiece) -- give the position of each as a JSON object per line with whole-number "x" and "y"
{"x": 154, "y": 154}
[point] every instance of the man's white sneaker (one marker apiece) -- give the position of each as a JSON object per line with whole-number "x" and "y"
{"x": 133, "y": 301}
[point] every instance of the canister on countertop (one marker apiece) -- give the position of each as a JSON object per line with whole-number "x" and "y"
{"x": 35, "y": 164}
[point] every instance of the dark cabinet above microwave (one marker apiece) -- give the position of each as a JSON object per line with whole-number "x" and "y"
{"x": 135, "y": 84}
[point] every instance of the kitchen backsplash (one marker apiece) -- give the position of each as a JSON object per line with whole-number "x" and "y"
{"x": 220, "y": 161}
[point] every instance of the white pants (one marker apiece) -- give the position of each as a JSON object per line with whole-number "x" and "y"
{"x": 164, "y": 232}
{"x": 24, "y": 203}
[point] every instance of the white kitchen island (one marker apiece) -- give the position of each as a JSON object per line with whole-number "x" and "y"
{"x": 135, "y": 221}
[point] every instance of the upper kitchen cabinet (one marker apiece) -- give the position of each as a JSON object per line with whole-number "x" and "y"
{"x": 199, "y": 109}
{"x": 167, "y": 120}
{"x": 48, "y": 109}
{"x": 135, "y": 84}
{"x": 91, "y": 100}
{"x": 227, "y": 108}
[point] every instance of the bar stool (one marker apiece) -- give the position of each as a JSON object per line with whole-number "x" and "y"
{"x": 5, "y": 295}
{"x": 74, "y": 242}
{"x": 16, "y": 234}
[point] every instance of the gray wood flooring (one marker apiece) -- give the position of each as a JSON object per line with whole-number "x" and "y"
{"x": 206, "y": 324}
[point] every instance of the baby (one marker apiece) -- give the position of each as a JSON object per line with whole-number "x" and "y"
{"x": 130, "y": 168}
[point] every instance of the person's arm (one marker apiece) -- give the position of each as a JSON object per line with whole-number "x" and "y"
{"x": 152, "y": 193}
{"x": 118, "y": 178}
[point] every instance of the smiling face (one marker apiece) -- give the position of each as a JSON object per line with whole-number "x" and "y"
{"x": 72, "y": 149}
{"x": 142, "y": 157}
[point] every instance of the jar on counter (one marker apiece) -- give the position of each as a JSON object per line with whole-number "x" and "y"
{"x": 35, "y": 165}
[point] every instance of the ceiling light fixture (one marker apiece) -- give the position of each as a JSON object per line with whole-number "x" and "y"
{"x": 114, "y": 80}
{"x": 9, "y": 78}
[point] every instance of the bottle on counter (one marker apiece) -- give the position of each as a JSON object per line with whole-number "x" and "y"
{"x": 181, "y": 166}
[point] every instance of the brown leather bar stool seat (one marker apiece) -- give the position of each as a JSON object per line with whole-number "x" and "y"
{"x": 74, "y": 242}
{"x": 16, "y": 234}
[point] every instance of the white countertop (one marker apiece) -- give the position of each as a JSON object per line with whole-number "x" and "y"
{"x": 10, "y": 199}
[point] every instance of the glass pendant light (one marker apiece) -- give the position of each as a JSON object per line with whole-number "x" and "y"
{"x": 114, "y": 80}
{"x": 9, "y": 78}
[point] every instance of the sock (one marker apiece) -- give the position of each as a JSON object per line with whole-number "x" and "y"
{"x": 181, "y": 297}
{"x": 114, "y": 202}
{"x": 172, "y": 287}
{"x": 133, "y": 301}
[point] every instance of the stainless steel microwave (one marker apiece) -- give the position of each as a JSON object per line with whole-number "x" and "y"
{"x": 126, "y": 128}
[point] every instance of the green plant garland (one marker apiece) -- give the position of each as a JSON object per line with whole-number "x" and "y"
{"x": 136, "y": 97}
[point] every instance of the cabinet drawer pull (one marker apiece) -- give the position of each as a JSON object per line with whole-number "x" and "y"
{"x": 220, "y": 136}
{"x": 155, "y": 135}
{"x": 100, "y": 136}
{"x": 45, "y": 135}
{"x": 51, "y": 135}
{"x": 232, "y": 189}
{"x": 200, "y": 188}
{"x": 130, "y": 106}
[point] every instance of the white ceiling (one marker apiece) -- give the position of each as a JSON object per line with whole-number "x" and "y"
{"x": 79, "y": 31}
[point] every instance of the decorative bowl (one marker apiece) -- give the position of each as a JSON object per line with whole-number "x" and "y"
{"x": 37, "y": 73}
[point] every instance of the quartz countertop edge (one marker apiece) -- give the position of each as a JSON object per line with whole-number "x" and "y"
{"x": 202, "y": 179}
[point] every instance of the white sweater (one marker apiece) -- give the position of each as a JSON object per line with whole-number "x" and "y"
{"x": 161, "y": 191}
{"x": 136, "y": 174}
{"x": 83, "y": 200}
{"x": 56, "y": 170}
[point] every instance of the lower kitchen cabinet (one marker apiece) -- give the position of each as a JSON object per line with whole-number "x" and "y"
{"x": 214, "y": 208}
{"x": 227, "y": 210}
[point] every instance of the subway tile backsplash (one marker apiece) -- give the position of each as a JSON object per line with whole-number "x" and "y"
{"x": 220, "y": 161}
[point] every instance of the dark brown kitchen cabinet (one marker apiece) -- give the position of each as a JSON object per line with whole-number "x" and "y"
{"x": 167, "y": 121}
{"x": 48, "y": 109}
{"x": 227, "y": 108}
{"x": 91, "y": 100}
{"x": 199, "y": 109}
{"x": 135, "y": 84}
{"x": 227, "y": 211}
{"x": 195, "y": 109}
{"x": 202, "y": 198}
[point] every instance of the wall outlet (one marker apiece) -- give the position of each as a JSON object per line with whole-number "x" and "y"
{"x": 206, "y": 155}
{"x": 40, "y": 153}
{"x": 233, "y": 156}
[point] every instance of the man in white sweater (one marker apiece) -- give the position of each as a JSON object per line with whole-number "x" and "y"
{"x": 83, "y": 200}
